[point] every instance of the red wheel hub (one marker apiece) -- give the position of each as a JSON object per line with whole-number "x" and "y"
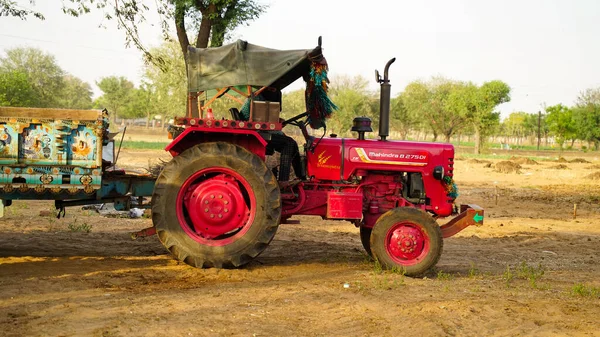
{"x": 406, "y": 243}
{"x": 215, "y": 206}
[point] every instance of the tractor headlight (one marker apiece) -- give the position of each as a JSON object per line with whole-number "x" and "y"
{"x": 438, "y": 172}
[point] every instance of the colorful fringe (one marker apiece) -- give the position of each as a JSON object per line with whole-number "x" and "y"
{"x": 318, "y": 105}
{"x": 451, "y": 189}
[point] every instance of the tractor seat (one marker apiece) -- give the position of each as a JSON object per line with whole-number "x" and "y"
{"x": 235, "y": 114}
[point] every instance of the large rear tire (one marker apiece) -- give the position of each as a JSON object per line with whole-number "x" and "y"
{"x": 216, "y": 205}
{"x": 408, "y": 239}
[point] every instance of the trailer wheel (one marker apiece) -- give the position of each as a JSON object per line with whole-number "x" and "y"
{"x": 365, "y": 238}
{"x": 216, "y": 205}
{"x": 407, "y": 238}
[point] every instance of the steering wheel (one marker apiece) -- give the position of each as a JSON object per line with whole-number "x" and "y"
{"x": 294, "y": 119}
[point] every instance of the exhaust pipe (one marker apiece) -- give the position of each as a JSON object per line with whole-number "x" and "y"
{"x": 384, "y": 101}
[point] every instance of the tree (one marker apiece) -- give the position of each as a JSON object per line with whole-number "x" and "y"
{"x": 401, "y": 119}
{"x": 167, "y": 83}
{"x": 116, "y": 95}
{"x": 586, "y": 116}
{"x": 439, "y": 103}
{"x": 10, "y": 8}
{"x": 43, "y": 73}
{"x": 479, "y": 104}
{"x": 353, "y": 99}
{"x": 518, "y": 125}
{"x": 560, "y": 123}
{"x": 209, "y": 20}
{"x": 76, "y": 94}
{"x": 15, "y": 90}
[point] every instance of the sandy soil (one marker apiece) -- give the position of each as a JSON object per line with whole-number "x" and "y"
{"x": 530, "y": 270}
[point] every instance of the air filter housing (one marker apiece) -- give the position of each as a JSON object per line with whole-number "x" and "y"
{"x": 361, "y": 125}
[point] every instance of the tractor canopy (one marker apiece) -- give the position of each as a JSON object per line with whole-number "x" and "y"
{"x": 242, "y": 63}
{"x": 244, "y": 69}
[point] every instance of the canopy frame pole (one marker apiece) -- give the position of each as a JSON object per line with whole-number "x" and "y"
{"x": 234, "y": 98}
{"x": 217, "y": 95}
{"x": 251, "y": 96}
{"x": 240, "y": 92}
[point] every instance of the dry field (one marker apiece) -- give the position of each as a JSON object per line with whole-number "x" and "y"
{"x": 530, "y": 270}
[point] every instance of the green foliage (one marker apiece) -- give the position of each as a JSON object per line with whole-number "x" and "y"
{"x": 82, "y": 227}
{"x": 586, "y": 116}
{"x": 473, "y": 271}
{"x": 209, "y": 21}
{"x": 583, "y": 290}
{"x": 441, "y": 276}
{"x": 117, "y": 94}
{"x": 76, "y": 94}
{"x": 31, "y": 78}
{"x": 479, "y": 104}
{"x": 139, "y": 103}
{"x": 524, "y": 272}
{"x": 353, "y": 99}
{"x": 133, "y": 144}
{"x": 15, "y": 89}
{"x": 293, "y": 103}
{"x": 11, "y": 8}
{"x": 167, "y": 83}
{"x": 508, "y": 276}
{"x": 43, "y": 74}
{"x": 531, "y": 273}
{"x": 560, "y": 123}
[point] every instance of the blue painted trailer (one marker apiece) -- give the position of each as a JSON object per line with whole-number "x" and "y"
{"x": 63, "y": 155}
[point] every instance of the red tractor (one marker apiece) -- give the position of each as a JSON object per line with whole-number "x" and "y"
{"x": 218, "y": 204}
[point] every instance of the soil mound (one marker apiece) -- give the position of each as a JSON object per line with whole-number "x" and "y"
{"x": 593, "y": 176}
{"x": 507, "y": 167}
{"x": 561, "y": 160}
{"x": 579, "y": 160}
{"x": 559, "y": 167}
{"x": 523, "y": 160}
{"x": 478, "y": 161}
{"x": 593, "y": 167}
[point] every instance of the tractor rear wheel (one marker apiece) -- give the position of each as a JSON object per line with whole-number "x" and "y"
{"x": 408, "y": 239}
{"x": 365, "y": 238}
{"x": 216, "y": 205}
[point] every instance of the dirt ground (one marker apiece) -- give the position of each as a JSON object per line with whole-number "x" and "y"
{"x": 531, "y": 269}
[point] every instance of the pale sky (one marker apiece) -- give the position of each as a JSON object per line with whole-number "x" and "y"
{"x": 547, "y": 51}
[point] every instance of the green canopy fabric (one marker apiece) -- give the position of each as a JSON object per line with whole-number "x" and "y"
{"x": 242, "y": 63}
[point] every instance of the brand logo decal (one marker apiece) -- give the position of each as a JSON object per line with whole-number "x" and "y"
{"x": 322, "y": 160}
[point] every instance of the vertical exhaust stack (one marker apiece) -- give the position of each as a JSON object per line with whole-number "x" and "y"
{"x": 384, "y": 101}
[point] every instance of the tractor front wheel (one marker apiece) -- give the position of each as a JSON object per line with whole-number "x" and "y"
{"x": 216, "y": 205}
{"x": 408, "y": 239}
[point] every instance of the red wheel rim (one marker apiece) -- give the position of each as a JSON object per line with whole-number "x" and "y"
{"x": 216, "y": 206}
{"x": 406, "y": 243}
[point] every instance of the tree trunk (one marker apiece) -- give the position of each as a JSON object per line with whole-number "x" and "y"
{"x": 184, "y": 42}
{"x": 477, "y": 140}
{"x": 205, "y": 26}
{"x": 447, "y": 137}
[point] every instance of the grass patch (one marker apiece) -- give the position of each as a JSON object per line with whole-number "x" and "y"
{"x": 473, "y": 271}
{"x": 441, "y": 276}
{"x": 465, "y": 155}
{"x": 140, "y": 145}
{"x": 583, "y": 290}
{"x": 524, "y": 271}
{"x": 82, "y": 227}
